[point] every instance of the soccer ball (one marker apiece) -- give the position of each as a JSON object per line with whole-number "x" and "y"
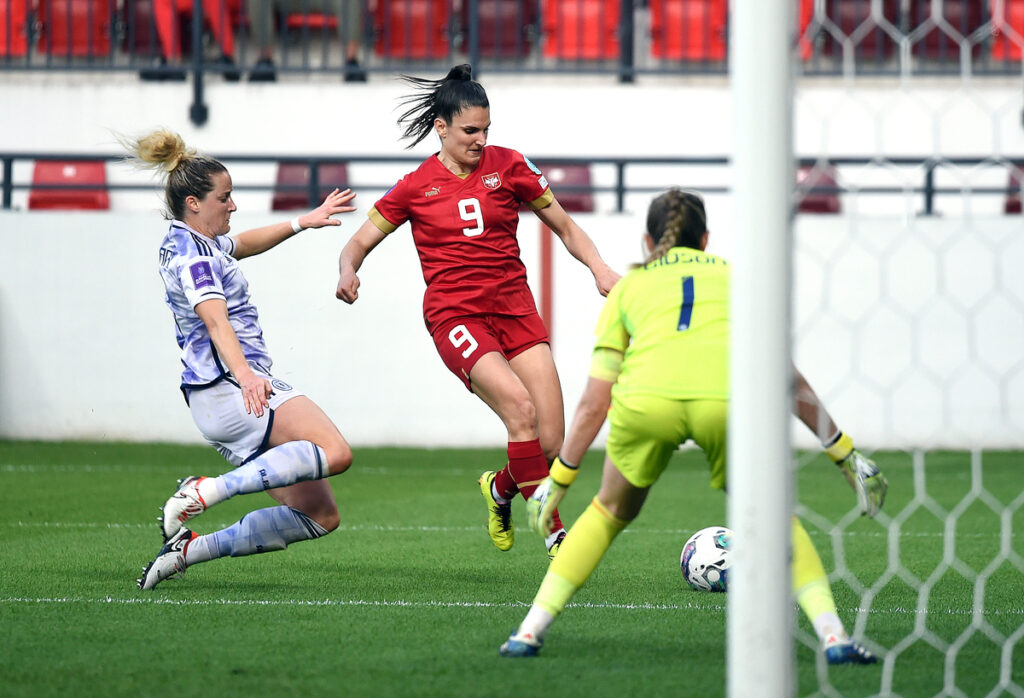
{"x": 705, "y": 559}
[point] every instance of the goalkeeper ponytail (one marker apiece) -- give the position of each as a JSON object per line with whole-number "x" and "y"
{"x": 675, "y": 219}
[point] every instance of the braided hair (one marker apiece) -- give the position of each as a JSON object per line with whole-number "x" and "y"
{"x": 439, "y": 99}
{"x": 188, "y": 173}
{"x": 675, "y": 219}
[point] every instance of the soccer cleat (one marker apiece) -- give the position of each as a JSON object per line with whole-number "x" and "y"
{"x": 183, "y": 505}
{"x": 847, "y": 652}
{"x": 499, "y": 517}
{"x": 525, "y": 645}
{"x": 169, "y": 562}
{"x": 553, "y": 550}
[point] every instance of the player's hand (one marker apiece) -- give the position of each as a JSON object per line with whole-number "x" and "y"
{"x": 255, "y": 391}
{"x": 606, "y": 278}
{"x": 541, "y": 506}
{"x": 336, "y": 202}
{"x": 348, "y": 288}
{"x": 867, "y": 481}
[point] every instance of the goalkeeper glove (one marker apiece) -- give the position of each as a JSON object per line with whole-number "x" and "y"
{"x": 861, "y": 472}
{"x": 541, "y": 506}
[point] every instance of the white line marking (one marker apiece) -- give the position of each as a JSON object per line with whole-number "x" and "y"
{"x": 140, "y": 467}
{"x": 348, "y": 602}
{"x": 450, "y": 529}
{"x": 397, "y": 603}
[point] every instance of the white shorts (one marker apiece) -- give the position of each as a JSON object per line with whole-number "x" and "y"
{"x": 220, "y": 414}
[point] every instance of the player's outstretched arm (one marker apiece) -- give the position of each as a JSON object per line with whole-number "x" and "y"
{"x": 579, "y": 245}
{"x": 259, "y": 240}
{"x": 352, "y": 255}
{"x": 860, "y": 471}
{"x": 590, "y": 415}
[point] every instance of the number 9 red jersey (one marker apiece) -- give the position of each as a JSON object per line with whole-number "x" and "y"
{"x": 464, "y": 229}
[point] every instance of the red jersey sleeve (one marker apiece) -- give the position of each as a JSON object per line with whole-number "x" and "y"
{"x": 528, "y": 183}
{"x": 392, "y": 209}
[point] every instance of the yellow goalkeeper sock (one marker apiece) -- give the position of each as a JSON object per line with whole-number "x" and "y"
{"x": 810, "y": 586}
{"x": 578, "y": 556}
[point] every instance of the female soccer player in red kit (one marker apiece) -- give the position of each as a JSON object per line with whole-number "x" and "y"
{"x": 463, "y": 203}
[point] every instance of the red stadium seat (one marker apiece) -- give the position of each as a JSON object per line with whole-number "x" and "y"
{"x": 854, "y": 16}
{"x": 1008, "y": 31}
{"x": 581, "y": 29}
{"x": 689, "y": 30}
{"x": 805, "y": 13}
{"x": 140, "y": 35}
{"x": 1012, "y": 204}
{"x": 503, "y": 27}
{"x": 964, "y": 16}
{"x": 412, "y": 28}
{"x": 561, "y": 177}
{"x": 818, "y": 176}
{"x": 80, "y": 28}
{"x": 311, "y": 20}
{"x": 296, "y": 174}
{"x": 14, "y": 28}
{"x": 91, "y": 175}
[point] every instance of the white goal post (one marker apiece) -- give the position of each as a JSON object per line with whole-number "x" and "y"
{"x": 759, "y": 625}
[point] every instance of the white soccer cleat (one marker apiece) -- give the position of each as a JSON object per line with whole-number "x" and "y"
{"x": 184, "y": 504}
{"x": 169, "y": 562}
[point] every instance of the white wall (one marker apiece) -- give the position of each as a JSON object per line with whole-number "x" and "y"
{"x": 911, "y": 328}
{"x": 912, "y": 333}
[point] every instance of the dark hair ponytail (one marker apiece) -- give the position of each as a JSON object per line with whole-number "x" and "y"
{"x": 439, "y": 99}
{"x": 676, "y": 219}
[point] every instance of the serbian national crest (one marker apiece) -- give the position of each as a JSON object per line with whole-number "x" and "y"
{"x": 491, "y": 181}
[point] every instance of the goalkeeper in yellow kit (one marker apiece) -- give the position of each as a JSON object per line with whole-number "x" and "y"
{"x": 660, "y": 362}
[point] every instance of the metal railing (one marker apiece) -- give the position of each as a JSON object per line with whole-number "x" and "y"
{"x": 622, "y": 168}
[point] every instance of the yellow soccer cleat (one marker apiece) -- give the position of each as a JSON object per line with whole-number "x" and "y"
{"x": 499, "y": 517}
{"x": 553, "y": 550}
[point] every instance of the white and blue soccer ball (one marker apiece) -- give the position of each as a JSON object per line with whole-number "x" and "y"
{"x": 706, "y": 558}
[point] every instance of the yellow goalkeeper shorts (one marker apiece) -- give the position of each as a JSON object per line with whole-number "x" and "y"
{"x": 645, "y": 430}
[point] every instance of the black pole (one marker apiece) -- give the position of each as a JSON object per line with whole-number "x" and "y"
{"x": 620, "y": 186}
{"x": 473, "y": 37}
{"x": 8, "y": 184}
{"x": 198, "y": 111}
{"x": 313, "y": 193}
{"x": 626, "y": 66}
{"x": 929, "y": 188}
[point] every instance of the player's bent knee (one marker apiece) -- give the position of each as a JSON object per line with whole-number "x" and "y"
{"x": 339, "y": 456}
{"x": 521, "y": 418}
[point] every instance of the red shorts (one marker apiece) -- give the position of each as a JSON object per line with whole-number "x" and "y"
{"x": 462, "y": 341}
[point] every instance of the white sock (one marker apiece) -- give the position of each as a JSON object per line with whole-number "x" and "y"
{"x": 828, "y": 626}
{"x": 497, "y": 497}
{"x": 553, "y": 537}
{"x": 536, "y": 624}
{"x": 260, "y": 531}
{"x": 281, "y": 466}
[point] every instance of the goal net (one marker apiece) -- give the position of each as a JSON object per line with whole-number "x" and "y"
{"x": 908, "y": 319}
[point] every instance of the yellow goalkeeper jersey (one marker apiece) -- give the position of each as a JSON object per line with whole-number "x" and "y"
{"x": 670, "y": 321}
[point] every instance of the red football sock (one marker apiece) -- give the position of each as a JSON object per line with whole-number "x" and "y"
{"x": 529, "y": 467}
{"x": 505, "y": 484}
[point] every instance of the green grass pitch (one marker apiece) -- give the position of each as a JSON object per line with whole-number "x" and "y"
{"x": 409, "y": 597}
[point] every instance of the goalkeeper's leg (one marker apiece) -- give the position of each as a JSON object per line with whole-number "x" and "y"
{"x": 579, "y": 554}
{"x": 814, "y": 595}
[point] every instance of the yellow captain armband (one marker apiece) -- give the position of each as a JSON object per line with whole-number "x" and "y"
{"x": 605, "y": 364}
{"x": 840, "y": 448}
{"x": 563, "y": 474}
